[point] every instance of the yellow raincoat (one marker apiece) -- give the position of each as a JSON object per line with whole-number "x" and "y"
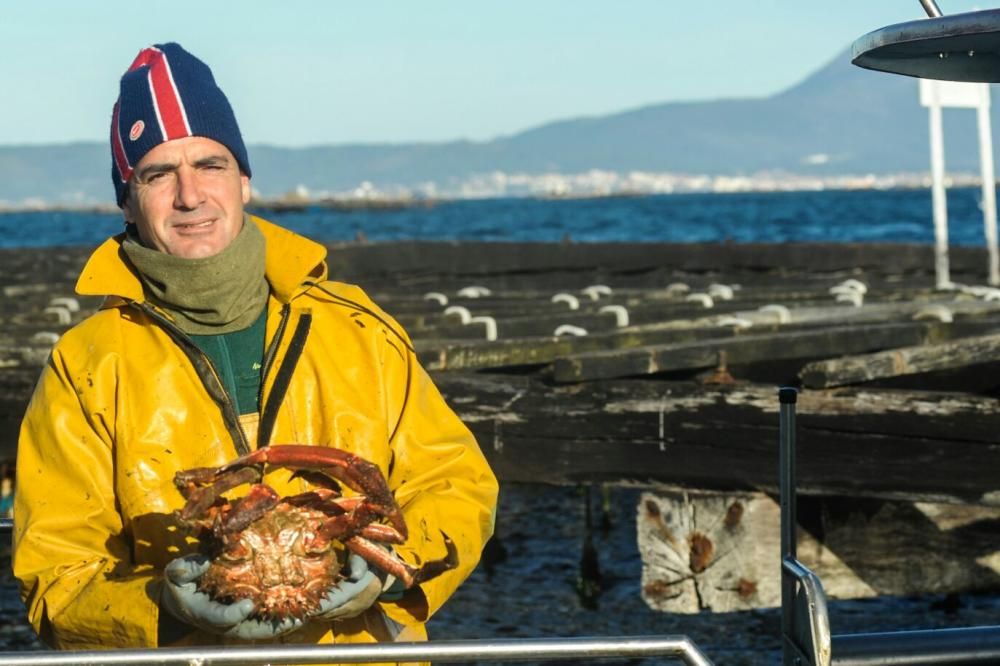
{"x": 126, "y": 401}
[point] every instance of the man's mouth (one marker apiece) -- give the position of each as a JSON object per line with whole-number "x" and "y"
{"x": 193, "y": 226}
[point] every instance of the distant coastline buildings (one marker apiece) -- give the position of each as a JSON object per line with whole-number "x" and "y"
{"x": 605, "y": 183}
{"x": 598, "y": 182}
{"x": 592, "y": 183}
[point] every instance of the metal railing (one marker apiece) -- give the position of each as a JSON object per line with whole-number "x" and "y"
{"x": 438, "y": 652}
{"x": 805, "y": 623}
{"x": 805, "y": 626}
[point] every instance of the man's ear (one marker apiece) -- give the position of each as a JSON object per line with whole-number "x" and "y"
{"x": 245, "y": 188}
{"x": 125, "y": 207}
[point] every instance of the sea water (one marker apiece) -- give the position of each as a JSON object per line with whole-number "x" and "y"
{"x": 837, "y": 216}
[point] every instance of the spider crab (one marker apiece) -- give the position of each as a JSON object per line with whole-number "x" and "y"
{"x": 285, "y": 553}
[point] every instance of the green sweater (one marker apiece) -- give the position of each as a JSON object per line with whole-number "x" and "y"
{"x": 237, "y": 357}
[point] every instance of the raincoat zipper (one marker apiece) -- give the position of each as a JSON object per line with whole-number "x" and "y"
{"x": 272, "y": 351}
{"x": 269, "y": 410}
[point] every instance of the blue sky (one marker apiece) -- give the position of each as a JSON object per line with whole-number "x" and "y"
{"x": 304, "y": 72}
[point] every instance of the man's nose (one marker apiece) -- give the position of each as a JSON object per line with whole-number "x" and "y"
{"x": 189, "y": 193}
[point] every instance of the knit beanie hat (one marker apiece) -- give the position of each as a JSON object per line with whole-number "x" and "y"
{"x": 168, "y": 94}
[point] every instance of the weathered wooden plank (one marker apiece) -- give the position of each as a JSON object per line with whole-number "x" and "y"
{"x": 19, "y": 325}
{"x": 467, "y": 355}
{"x": 463, "y": 355}
{"x": 545, "y": 323}
{"x": 934, "y": 446}
{"x": 451, "y": 264}
{"x": 540, "y": 319}
{"x": 901, "y": 361}
{"x": 781, "y": 345}
{"x": 639, "y": 309}
{"x": 718, "y": 552}
{"x": 513, "y": 303}
{"x": 521, "y": 263}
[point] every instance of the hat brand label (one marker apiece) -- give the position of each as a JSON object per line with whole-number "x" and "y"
{"x": 136, "y": 131}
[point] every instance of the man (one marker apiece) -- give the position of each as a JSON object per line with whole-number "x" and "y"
{"x": 220, "y": 334}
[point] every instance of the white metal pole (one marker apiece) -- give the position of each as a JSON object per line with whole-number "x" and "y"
{"x": 931, "y": 8}
{"x": 940, "y": 204}
{"x": 989, "y": 203}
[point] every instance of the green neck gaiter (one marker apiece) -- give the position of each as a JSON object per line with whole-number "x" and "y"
{"x": 218, "y": 294}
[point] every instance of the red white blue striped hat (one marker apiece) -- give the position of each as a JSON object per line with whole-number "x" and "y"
{"x": 168, "y": 94}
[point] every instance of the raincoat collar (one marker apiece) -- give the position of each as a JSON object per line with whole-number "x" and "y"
{"x": 290, "y": 260}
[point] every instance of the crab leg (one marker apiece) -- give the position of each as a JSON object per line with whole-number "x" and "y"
{"x": 409, "y": 575}
{"x": 324, "y": 500}
{"x": 347, "y": 525}
{"x": 348, "y": 516}
{"x": 381, "y": 533}
{"x": 257, "y": 502}
{"x": 357, "y": 473}
{"x": 200, "y": 498}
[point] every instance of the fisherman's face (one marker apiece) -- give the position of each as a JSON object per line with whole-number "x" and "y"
{"x": 186, "y": 198}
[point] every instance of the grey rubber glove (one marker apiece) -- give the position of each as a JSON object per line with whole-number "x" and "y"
{"x": 353, "y": 595}
{"x": 392, "y": 588}
{"x": 181, "y": 598}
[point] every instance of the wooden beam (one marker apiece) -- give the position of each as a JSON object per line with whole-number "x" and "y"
{"x": 464, "y": 355}
{"x": 667, "y": 301}
{"x": 901, "y": 361}
{"x": 435, "y": 265}
{"x": 752, "y": 348}
{"x": 480, "y": 354}
{"x": 422, "y": 264}
{"x": 542, "y": 319}
{"x": 932, "y": 446}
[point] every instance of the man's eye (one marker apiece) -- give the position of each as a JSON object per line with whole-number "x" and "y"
{"x": 153, "y": 177}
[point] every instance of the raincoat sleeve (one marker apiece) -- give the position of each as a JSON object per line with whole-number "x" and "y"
{"x": 442, "y": 482}
{"x": 71, "y": 553}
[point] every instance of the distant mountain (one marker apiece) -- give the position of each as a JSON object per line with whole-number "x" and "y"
{"x": 841, "y": 120}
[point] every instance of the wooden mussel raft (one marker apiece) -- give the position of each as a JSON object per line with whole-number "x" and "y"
{"x": 657, "y": 365}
